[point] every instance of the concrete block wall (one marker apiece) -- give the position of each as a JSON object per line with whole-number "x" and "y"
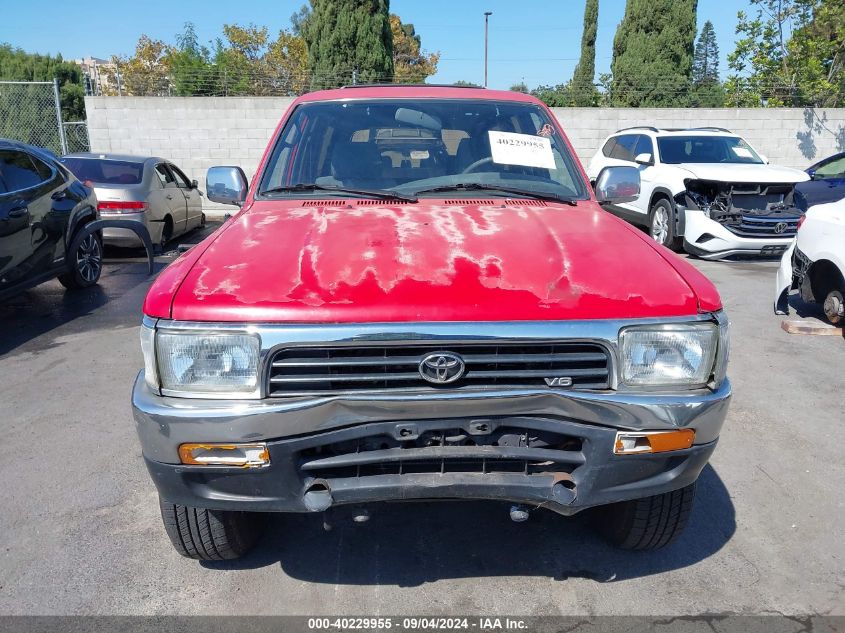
{"x": 199, "y": 132}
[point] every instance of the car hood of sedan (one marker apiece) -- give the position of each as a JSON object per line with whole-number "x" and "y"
{"x": 744, "y": 173}
{"x": 369, "y": 261}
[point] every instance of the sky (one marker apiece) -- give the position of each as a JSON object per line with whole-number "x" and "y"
{"x": 535, "y": 41}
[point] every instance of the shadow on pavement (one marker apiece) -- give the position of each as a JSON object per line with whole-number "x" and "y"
{"x": 29, "y": 317}
{"x": 408, "y": 544}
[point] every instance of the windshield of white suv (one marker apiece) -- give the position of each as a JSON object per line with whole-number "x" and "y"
{"x": 705, "y": 149}
{"x": 421, "y": 147}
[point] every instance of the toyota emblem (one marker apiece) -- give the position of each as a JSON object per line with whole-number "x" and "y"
{"x": 442, "y": 368}
{"x": 780, "y": 227}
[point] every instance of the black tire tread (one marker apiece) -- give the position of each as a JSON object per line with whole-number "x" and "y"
{"x": 649, "y": 523}
{"x": 204, "y": 534}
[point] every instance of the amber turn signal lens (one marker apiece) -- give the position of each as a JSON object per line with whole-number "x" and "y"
{"x": 234, "y": 455}
{"x": 653, "y": 441}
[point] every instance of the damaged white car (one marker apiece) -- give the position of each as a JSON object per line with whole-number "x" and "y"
{"x": 814, "y": 263}
{"x": 705, "y": 189}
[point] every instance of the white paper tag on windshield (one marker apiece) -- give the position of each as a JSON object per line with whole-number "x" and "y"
{"x": 521, "y": 149}
{"x": 742, "y": 152}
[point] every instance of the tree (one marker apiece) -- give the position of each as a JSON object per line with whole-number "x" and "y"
{"x": 18, "y": 65}
{"x": 707, "y": 90}
{"x": 287, "y": 58}
{"x": 705, "y": 61}
{"x": 298, "y": 19}
{"x": 520, "y": 87}
{"x": 652, "y": 53}
{"x": 465, "y": 84}
{"x": 816, "y": 52}
{"x": 349, "y": 41}
{"x": 191, "y": 70}
{"x": 582, "y": 88}
{"x": 146, "y": 72}
{"x": 558, "y": 96}
{"x": 410, "y": 64}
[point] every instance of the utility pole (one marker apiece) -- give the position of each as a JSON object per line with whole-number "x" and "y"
{"x": 487, "y": 15}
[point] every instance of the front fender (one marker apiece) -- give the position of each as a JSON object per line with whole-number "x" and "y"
{"x": 98, "y": 225}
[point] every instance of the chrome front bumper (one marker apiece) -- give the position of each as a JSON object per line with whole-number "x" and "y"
{"x": 163, "y": 423}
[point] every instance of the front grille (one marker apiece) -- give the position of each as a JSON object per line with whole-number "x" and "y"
{"x": 483, "y": 447}
{"x": 764, "y": 226}
{"x": 303, "y": 371}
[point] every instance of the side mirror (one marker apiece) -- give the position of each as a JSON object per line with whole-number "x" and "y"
{"x": 226, "y": 185}
{"x": 615, "y": 185}
{"x": 194, "y": 184}
{"x": 644, "y": 159}
{"x": 811, "y": 173}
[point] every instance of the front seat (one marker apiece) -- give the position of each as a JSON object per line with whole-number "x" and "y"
{"x": 357, "y": 165}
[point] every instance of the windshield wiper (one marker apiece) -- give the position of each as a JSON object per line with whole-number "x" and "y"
{"x": 472, "y": 186}
{"x": 375, "y": 193}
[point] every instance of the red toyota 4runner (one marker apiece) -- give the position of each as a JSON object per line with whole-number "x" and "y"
{"x": 421, "y": 298}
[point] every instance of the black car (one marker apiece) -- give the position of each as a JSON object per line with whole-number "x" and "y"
{"x": 49, "y": 223}
{"x": 827, "y": 182}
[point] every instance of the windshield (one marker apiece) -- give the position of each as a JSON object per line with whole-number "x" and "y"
{"x": 705, "y": 149}
{"x": 410, "y": 147}
{"x": 105, "y": 172}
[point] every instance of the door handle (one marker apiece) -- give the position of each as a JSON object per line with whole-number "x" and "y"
{"x": 18, "y": 212}
{"x": 169, "y": 197}
{"x": 59, "y": 195}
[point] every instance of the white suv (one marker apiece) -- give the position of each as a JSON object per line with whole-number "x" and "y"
{"x": 705, "y": 188}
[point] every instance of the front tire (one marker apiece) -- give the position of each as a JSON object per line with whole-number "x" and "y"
{"x": 84, "y": 264}
{"x": 661, "y": 224}
{"x": 649, "y": 523}
{"x": 209, "y": 534}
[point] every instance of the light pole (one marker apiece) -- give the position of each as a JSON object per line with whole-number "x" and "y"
{"x": 487, "y": 15}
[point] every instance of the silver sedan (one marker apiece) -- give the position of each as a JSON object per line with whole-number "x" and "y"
{"x": 142, "y": 188}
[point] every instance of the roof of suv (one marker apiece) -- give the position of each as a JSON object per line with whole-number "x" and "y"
{"x": 400, "y": 91}
{"x": 648, "y": 129}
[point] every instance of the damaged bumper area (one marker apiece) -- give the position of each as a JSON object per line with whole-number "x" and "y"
{"x": 553, "y": 450}
{"x": 732, "y": 219}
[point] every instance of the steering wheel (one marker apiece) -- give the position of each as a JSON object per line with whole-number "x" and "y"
{"x": 472, "y": 167}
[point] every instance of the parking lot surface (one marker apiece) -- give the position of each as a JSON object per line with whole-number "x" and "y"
{"x": 80, "y": 531}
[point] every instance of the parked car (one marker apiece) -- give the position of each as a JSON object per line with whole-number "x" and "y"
{"x": 42, "y": 211}
{"x": 826, "y": 184}
{"x": 815, "y": 263}
{"x": 144, "y": 189}
{"x": 421, "y": 298}
{"x": 705, "y": 189}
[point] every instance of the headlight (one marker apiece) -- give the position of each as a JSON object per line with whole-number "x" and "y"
{"x": 207, "y": 363}
{"x": 668, "y": 355}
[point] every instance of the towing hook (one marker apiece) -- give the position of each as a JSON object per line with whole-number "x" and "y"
{"x": 519, "y": 513}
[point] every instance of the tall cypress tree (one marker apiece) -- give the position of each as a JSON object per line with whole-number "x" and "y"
{"x": 652, "y": 53}
{"x": 349, "y": 41}
{"x": 705, "y": 63}
{"x": 583, "y": 89}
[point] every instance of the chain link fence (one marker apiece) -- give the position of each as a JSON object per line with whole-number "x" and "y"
{"x": 76, "y": 135}
{"x": 30, "y": 112}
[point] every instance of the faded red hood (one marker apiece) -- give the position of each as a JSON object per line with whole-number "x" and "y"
{"x": 432, "y": 261}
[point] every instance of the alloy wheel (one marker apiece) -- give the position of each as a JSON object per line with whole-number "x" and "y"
{"x": 89, "y": 259}
{"x": 659, "y": 225}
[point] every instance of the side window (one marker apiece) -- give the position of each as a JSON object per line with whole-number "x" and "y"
{"x": 164, "y": 175}
{"x": 607, "y": 150}
{"x": 644, "y": 146}
{"x": 18, "y": 171}
{"x": 833, "y": 169}
{"x": 181, "y": 179}
{"x": 624, "y": 149}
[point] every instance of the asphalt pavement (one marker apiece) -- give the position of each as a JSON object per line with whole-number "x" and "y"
{"x": 80, "y": 531}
